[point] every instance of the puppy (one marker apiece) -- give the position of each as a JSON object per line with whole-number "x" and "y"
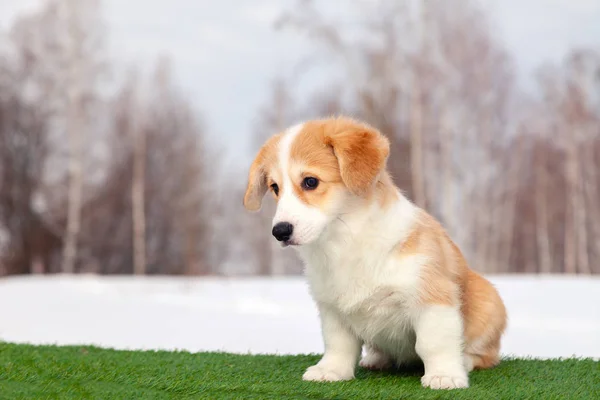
{"x": 383, "y": 272}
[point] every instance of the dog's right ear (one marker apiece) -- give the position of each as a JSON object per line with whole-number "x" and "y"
{"x": 257, "y": 184}
{"x": 257, "y": 177}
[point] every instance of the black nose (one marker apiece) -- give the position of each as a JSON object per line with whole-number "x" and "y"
{"x": 283, "y": 231}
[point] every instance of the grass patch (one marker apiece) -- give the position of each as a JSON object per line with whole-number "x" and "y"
{"x": 76, "y": 372}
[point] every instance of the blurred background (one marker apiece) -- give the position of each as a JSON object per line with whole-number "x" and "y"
{"x": 127, "y": 129}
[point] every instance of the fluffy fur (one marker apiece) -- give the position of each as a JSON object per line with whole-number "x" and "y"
{"x": 383, "y": 272}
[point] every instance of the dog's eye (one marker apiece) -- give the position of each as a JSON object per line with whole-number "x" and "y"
{"x": 275, "y": 189}
{"x": 310, "y": 183}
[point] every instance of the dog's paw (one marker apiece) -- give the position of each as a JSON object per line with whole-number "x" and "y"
{"x": 375, "y": 361}
{"x": 322, "y": 373}
{"x": 445, "y": 382}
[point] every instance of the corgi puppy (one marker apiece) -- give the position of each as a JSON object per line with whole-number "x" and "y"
{"x": 382, "y": 272}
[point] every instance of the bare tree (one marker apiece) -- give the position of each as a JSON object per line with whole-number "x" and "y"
{"x": 174, "y": 210}
{"x": 64, "y": 205}
{"x": 62, "y": 47}
{"x": 26, "y": 241}
{"x": 542, "y": 223}
{"x": 416, "y": 106}
{"x": 138, "y": 132}
{"x": 573, "y": 117}
{"x": 74, "y": 39}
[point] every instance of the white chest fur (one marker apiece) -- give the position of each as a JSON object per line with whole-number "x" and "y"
{"x": 353, "y": 272}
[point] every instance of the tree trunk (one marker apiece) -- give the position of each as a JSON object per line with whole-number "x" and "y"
{"x": 542, "y": 226}
{"x": 74, "y": 199}
{"x": 510, "y": 199}
{"x": 447, "y": 145}
{"x": 137, "y": 198}
{"x": 75, "y": 132}
{"x": 488, "y": 240}
{"x": 192, "y": 265}
{"x": 592, "y": 201}
{"x": 570, "y": 256}
{"x": 416, "y": 124}
{"x": 583, "y": 264}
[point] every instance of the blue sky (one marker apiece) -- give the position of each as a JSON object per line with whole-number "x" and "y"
{"x": 224, "y": 53}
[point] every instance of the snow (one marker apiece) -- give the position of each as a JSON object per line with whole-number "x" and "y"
{"x": 552, "y": 316}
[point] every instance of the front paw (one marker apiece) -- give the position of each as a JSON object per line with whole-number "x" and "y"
{"x": 445, "y": 381}
{"x": 324, "y": 373}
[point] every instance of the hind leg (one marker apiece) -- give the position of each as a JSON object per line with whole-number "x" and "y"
{"x": 375, "y": 359}
{"x": 485, "y": 322}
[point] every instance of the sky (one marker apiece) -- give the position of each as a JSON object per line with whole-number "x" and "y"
{"x": 225, "y": 53}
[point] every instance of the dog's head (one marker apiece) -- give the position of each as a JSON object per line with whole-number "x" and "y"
{"x": 316, "y": 171}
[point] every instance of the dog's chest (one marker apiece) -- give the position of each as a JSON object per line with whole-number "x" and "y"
{"x": 372, "y": 294}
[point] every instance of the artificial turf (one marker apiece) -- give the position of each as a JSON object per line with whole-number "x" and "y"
{"x": 47, "y": 372}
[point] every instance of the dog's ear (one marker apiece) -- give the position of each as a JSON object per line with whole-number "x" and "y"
{"x": 257, "y": 176}
{"x": 257, "y": 183}
{"x": 362, "y": 153}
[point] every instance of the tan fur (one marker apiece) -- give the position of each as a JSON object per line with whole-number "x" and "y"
{"x": 340, "y": 152}
{"x": 361, "y": 152}
{"x": 258, "y": 184}
{"x": 311, "y": 156}
{"x": 384, "y": 191}
{"x": 485, "y": 320}
{"x": 447, "y": 280}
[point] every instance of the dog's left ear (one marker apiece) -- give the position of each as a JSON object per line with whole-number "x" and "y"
{"x": 362, "y": 153}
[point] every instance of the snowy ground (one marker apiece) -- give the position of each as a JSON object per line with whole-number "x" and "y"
{"x": 549, "y": 316}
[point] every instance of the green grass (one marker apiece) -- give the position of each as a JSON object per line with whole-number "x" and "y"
{"x": 46, "y": 372}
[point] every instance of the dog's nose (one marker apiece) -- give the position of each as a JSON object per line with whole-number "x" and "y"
{"x": 283, "y": 231}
